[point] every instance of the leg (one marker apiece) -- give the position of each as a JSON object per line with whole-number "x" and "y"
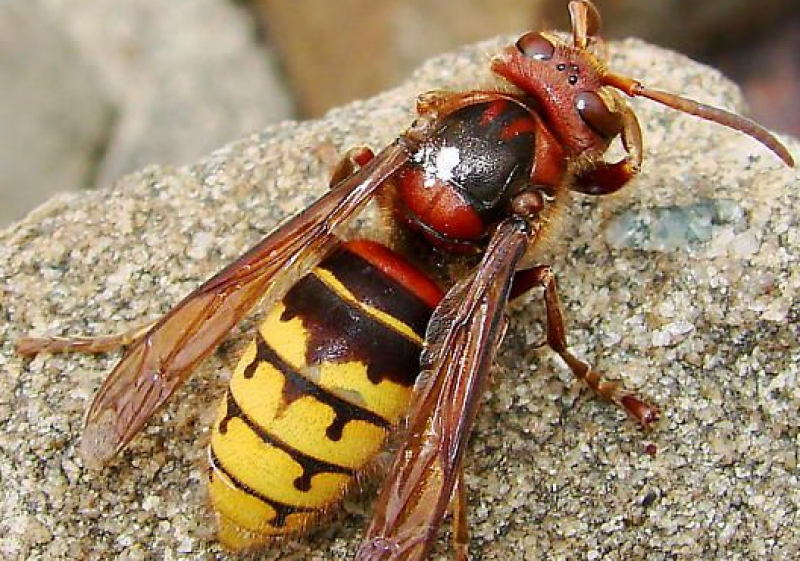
{"x": 460, "y": 524}
{"x": 605, "y": 178}
{"x": 29, "y": 346}
{"x": 352, "y": 161}
{"x": 638, "y": 409}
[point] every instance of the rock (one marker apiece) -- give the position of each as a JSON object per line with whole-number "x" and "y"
{"x": 188, "y": 76}
{"x": 93, "y": 89}
{"x": 708, "y": 329}
{"x": 54, "y": 111}
{"x": 337, "y": 52}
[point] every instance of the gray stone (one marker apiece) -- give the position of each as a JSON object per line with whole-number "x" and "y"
{"x": 709, "y": 331}
{"x": 188, "y": 76}
{"x": 55, "y": 114}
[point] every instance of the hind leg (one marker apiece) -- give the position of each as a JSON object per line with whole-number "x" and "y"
{"x": 542, "y": 276}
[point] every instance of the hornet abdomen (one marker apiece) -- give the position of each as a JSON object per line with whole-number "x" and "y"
{"x": 315, "y": 395}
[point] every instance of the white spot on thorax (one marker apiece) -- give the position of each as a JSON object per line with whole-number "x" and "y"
{"x": 438, "y": 163}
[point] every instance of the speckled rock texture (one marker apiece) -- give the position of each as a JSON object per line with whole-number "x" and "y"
{"x": 705, "y": 321}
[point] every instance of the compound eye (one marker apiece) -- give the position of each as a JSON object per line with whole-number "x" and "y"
{"x": 595, "y": 113}
{"x": 534, "y": 45}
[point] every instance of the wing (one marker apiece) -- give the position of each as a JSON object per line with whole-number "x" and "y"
{"x": 157, "y": 363}
{"x": 463, "y": 337}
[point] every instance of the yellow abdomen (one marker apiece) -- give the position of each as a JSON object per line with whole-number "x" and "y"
{"x": 314, "y": 397}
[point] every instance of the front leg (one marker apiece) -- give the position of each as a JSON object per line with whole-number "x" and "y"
{"x": 352, "y": 161}
{"x": 604, "y": 177}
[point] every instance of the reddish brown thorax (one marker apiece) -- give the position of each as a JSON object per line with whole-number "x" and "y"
{"x": 461, "y": 180}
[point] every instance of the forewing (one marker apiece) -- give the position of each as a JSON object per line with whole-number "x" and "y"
{"x": 156, "y": 364}
{"x": 463, "y": 337}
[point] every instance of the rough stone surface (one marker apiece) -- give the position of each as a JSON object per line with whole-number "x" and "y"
{"x": 709, "y": 329}
{"x": 54, "y": 112}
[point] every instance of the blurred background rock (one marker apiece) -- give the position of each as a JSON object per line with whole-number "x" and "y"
{"x": 92, "y": 89}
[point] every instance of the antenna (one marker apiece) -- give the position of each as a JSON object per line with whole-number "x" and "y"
{"x": 634, "y": 88}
